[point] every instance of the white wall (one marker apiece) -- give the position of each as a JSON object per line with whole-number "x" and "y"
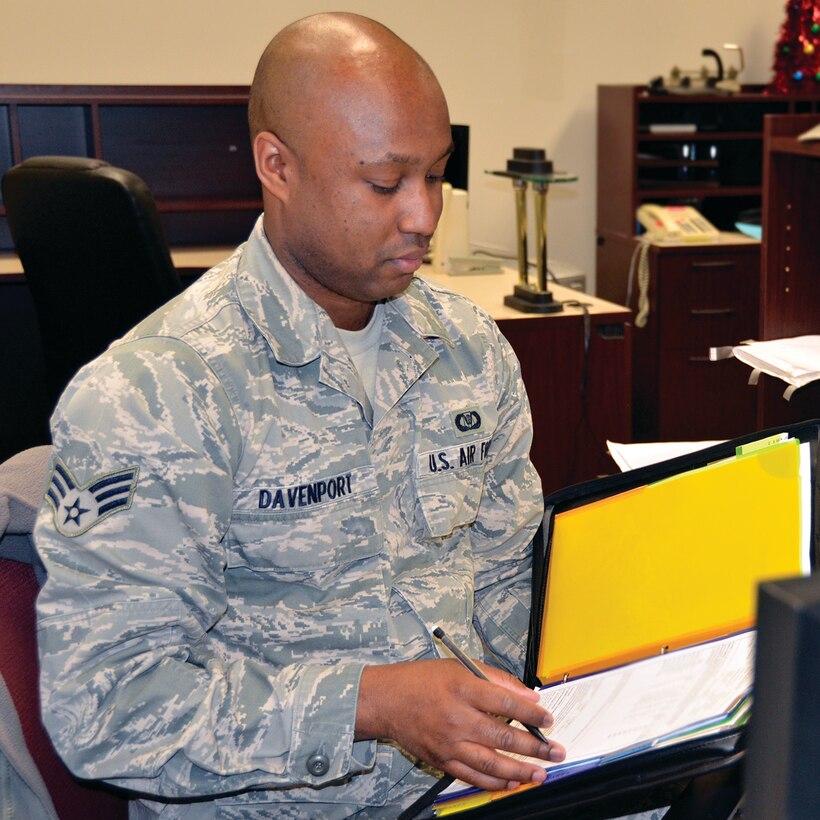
{"x": 519, "y": 72}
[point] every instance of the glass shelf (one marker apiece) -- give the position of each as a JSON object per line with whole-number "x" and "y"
{"x": 549, "y": 179}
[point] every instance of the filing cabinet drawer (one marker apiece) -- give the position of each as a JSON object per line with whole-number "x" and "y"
{"x": 707, "y": 298}
{"x": 704, "y": 399}
{"x": 701, "y": 296}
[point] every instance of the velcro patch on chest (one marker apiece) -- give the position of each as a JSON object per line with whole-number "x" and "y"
{"x": 454, "y": 457}
{"x": 466, "y": 422}
{"x": 283, "y": 495}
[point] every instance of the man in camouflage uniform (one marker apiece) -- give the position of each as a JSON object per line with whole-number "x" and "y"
{"x": 256, "y": 517}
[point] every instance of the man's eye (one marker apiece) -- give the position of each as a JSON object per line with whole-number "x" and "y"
{"x": 435, "y": 179}
{"x": 384, "y": 189}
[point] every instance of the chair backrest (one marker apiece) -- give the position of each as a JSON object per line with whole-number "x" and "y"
{"x": 94, "y": 252}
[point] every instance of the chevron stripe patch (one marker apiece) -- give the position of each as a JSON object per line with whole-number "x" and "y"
{"x": 78, "y": 508}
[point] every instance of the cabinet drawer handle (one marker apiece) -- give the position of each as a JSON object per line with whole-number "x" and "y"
{"x": 712, "y": 312}
{"x": 728, "y": 263}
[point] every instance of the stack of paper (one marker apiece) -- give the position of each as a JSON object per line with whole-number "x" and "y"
{"x": 632, "y": 709}
{"x": 641, "y": 454}
{"x": 811, "y": 134}
{"x": 796, "y": 361}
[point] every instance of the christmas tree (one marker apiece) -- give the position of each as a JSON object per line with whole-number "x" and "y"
{"x": 797, "y": 53}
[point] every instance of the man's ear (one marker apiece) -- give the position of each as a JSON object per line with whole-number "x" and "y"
{"x": 272, "y": 157}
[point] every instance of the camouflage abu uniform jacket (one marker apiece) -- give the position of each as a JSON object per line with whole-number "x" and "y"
{"x": 231, "y": 532}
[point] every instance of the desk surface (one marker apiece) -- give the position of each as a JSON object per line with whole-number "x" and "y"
{"x": 197, "y": 258}
{"x": 486, "y": 290}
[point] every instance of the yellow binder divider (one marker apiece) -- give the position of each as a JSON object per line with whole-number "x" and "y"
{"x": 669, "y": 564}
{"x": 473, "y": 801}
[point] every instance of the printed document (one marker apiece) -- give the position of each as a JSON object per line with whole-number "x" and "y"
{"x": 642, "y": 705}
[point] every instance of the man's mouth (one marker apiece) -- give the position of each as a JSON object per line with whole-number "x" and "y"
{"x": 409, "y": 263}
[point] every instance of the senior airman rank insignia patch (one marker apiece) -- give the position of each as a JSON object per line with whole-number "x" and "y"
{"x": 78, "y": 508}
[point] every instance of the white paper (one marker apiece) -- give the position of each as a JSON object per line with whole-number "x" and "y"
{"x": 638, "y": 705}
{"x": 795, "y": 360}
{"x": 811, "y": 134}
{"x": 630, "y": 456}
{"x": 641, "y": 702}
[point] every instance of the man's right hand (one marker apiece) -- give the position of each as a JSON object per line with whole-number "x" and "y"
{"x": 444, "y": 715}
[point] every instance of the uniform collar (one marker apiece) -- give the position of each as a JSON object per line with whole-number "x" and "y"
{"x": 297, "y": 329}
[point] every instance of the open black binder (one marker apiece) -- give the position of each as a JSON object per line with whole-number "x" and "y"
{"x": 657, "y": 776}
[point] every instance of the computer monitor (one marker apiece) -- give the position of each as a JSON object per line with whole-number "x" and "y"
{"x": 458, "y": 166}
{"x": 782, "y": 774}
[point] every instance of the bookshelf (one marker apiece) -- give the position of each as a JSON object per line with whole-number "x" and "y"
{"x": 704, "y": 150}
{"x": 190, "y": 145}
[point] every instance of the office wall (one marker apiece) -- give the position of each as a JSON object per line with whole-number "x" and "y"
{"x": 519, "y": 72}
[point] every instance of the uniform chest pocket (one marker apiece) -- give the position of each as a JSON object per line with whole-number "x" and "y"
{"x": 449, "y": 486}
{"x": 314, "y": 525}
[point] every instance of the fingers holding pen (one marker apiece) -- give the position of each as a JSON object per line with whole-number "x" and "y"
{"x": 519, "y": 704}
{"x": 481, "y": 756}
{"x": 445, "y": 715}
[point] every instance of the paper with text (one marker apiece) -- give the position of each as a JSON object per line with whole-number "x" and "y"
{"x": 642, "y": 704}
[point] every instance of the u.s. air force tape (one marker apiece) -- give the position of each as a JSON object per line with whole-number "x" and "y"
{"x": 454, "y": 457}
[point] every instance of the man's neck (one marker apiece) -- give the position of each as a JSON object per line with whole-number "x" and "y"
{"x": 345, "y": 313}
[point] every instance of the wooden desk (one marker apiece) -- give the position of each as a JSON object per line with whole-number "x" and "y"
{"x": 188, "y": 261}
{"x": 580, "y": 391}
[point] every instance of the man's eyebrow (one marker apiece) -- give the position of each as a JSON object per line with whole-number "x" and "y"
{"x": 404, "y": 159}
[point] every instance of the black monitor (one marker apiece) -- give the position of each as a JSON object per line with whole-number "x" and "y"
{"x": 782, "y": 773}
{"x": 458, "y": 165}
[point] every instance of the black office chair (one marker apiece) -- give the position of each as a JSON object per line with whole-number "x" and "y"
{"x": 94, "y": 253}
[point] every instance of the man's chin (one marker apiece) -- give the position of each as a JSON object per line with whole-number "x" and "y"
{"x": 398, "y": 284}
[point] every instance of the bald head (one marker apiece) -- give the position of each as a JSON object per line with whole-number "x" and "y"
{"x": 329, "y": 57}
{"x": 351, "y": 136}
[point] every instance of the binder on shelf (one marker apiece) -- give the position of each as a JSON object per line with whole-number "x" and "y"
{"x": 641, "y": 575}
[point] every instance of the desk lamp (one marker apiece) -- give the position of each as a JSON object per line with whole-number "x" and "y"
{"x": 530, "y": 165}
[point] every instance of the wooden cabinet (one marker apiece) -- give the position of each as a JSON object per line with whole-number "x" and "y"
{"x": 189, "y": 143}
{"x": 699, "y": 298}
{"x": 705, "y": 151}
{"x": 698, "y": 149}
{"x": 790, "y": 287}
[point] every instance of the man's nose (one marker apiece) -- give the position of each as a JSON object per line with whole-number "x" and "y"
{"x": 421, "y": 210}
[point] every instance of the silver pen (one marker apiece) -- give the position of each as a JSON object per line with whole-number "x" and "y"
{"x": 470, "y": 664}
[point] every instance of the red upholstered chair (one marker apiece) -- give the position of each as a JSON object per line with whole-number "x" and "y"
{"x": 22, "y": 479}
{"x": 73, "y": 799}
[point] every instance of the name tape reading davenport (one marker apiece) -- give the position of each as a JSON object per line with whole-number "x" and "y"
{"x": 280, "y": 494}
